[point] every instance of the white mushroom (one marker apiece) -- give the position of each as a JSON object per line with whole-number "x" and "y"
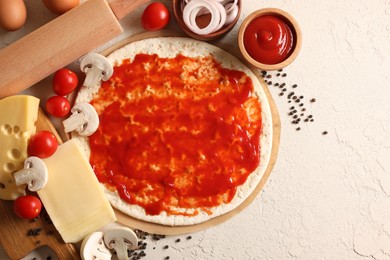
{"x": 34, "y": 174}
{"x": 96, "y": 67}
{"x": 84, "y": 120}
{"x": 93, "y": 248}
{"x": 121, "y": 239}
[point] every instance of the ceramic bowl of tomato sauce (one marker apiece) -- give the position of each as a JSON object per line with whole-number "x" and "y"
{"x": 269, "y": 39}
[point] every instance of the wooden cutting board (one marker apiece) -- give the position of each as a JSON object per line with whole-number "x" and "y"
{"x": 169, "y": 230}
{"x": 17, "y": 234}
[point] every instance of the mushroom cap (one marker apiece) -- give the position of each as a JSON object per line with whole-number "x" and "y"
{"x": 93, "y": 247}
{"x": 99, "y": 61}
{"x": 120, "y": 234}
{"x": 84, "y": 119}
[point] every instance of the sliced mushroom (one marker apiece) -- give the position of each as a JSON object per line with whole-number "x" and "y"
{"x": 84, "y": 120}
{"x": 96, "y": 67}
{"x": 93, "y": 248}
{"x": 121, "y": 239}
{"x": 34, "y": 174}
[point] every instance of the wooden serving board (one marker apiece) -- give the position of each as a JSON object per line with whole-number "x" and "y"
{"x": 17, "y": 234}
{"x": 169, "y": 230}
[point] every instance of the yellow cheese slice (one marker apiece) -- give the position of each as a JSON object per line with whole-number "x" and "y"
{"x": 73, "y": 197}
{"x": 18, "y": 115}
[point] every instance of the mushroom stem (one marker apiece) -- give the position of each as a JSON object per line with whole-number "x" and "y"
{"x": 24, "y": 176}
{"x": 75, "y": 122}
{"x": 120, "y": 248}
{"x": 93, "y": 76}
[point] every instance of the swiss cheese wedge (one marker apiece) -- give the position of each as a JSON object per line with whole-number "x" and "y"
{"x": 18, "y": 115}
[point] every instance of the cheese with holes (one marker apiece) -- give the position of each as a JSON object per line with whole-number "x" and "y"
{"x": 18, "y": 115}
{"x": 73, "y": 197}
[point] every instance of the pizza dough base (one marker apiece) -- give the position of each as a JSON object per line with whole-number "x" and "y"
{"x": 169, "y": 47}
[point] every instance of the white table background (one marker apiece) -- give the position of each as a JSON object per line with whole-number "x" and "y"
{"x": 328, "y": 196}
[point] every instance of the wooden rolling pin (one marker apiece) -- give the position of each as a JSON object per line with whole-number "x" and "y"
{"x": 60, "y": 42}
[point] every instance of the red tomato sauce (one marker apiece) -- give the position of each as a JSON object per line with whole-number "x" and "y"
{"x": 175, "y": 132}
{"x": 268, "y": 39}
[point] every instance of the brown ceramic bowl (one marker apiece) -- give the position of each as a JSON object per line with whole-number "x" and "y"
{"x": 291, "y": 22}
{"x": 202, "y": 21}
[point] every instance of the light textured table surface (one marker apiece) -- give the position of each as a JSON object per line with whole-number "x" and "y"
{"x": 328, "y": 196}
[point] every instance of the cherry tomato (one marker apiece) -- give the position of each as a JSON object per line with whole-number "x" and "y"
{"x": 155, "y": 16}
{"x": 64, "y": 82}
{"x": 42, "y": 145}
{"x": 27, "y": 206}
{"x": 58, "y": 106}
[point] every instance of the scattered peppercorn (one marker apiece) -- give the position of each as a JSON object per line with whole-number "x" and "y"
{"x": 292, "y": 96}
{"x": 189, "y": 237}
{"x": 325, "y": 132}
{"x": 34, "y": 232}
{"x": 177, "y": 240}
{"x": 166, "y": 247}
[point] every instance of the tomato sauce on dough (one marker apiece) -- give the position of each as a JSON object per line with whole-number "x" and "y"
{"x": 268, "y": 39}
{"x": 176, "y": 134}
